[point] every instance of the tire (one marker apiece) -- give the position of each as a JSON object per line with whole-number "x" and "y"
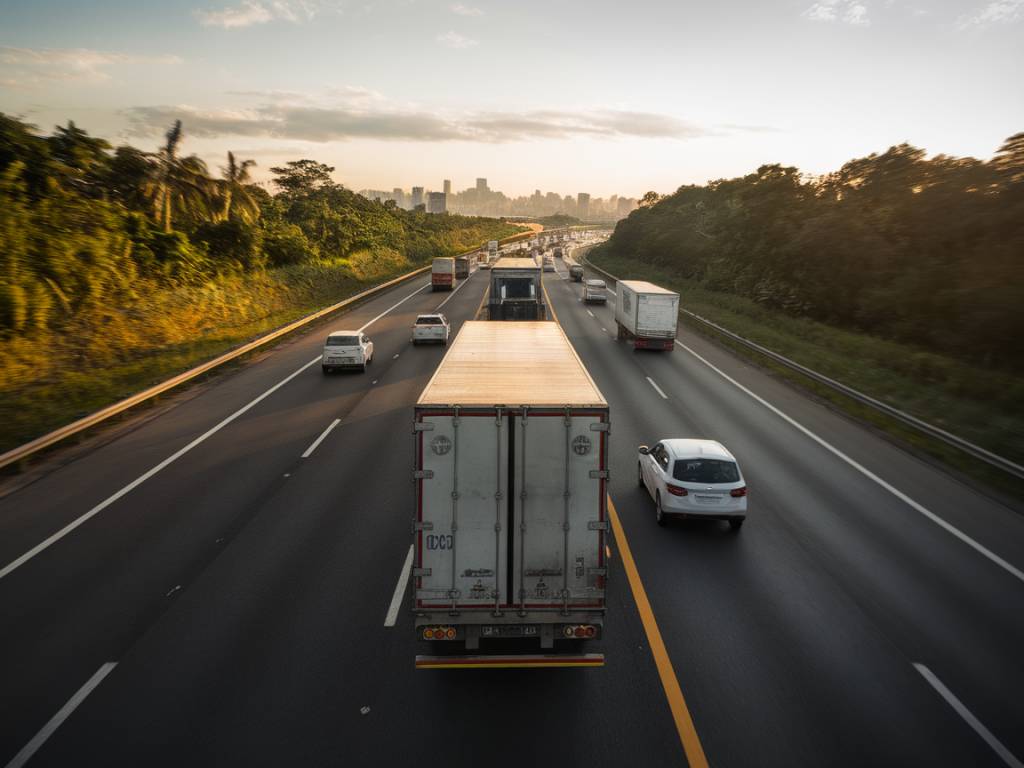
{"x": 658, "y": 514}
{"x": 362, "y": 369}
{"x": 325, "y": 369}
{"x": 736, "y": 523}
{"x": 639, "y": 475}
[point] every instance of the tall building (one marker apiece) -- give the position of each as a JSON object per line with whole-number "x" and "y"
{"x": 583, "y": 205}
{"x": 437, "y": 202}
{"x": 417, "y": 197}
{"x": 398, "y": 195}
{"x": 481, "y": 185}
{"x": 447, "y": 187}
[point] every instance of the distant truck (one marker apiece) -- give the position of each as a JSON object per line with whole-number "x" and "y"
{"x": 461, "y": 267}
{"x": 516, "y": 292}
{"x": 511, "y": 445}
{"x": 442, "y": 274}
{"x": 492, "y": 247}
{"x": 646, "y": 315}
{"x": 576, "y": 272}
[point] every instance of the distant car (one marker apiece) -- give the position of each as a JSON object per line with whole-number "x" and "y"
{"x": 347, "y": 349}
{"x": 549, "y": 264}
{"x": 576, "y": 273}
{"x": 433, "y": 328}
{"x": 693, "y": 478}
{"x": 594, "y": 291}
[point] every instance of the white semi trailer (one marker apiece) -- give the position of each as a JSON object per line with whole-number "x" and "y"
{"x": 511, "y": 520}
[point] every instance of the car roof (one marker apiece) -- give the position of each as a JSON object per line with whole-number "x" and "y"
{"x": 595, "y": 282}
{"x": 692, "y": 448}
{"x": 438, "y": 315}
{"x": 343, "y": 333}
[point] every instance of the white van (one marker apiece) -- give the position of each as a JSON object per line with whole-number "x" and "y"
{"x": 594, "y": 292}
{"x": 347, "y": 349}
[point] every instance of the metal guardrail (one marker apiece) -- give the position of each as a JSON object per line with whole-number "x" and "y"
{"x": 994, "y": 459}
{"x": 23, "y": 452}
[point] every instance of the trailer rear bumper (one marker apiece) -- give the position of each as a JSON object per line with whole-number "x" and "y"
{"x": 511, "y": 661}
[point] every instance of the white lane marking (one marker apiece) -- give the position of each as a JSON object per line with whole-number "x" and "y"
{"x": 53, "y": 539}
{"x": 981, "y": 549}
{"x": 395, "y": 356}
{"x": 987, "y": 736}
{"x": 325, "y": 433}
{"x": 62, "y": 714}
{"x": 657, "y": 388}
{"x": 452, "y": 294}
{"x": 396, "y": 599}
{"x": 604, "y": 329}
{"x": 590, "y": 313}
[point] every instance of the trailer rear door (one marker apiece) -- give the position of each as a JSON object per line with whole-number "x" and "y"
{"x": 657, "y": 315}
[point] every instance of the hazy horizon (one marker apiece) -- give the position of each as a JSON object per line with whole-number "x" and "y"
{"x": 604, "y": 97}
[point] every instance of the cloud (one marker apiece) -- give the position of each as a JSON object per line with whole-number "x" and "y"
{"x": 26, "y": 66}
{"x": 250, "y": 12}
{"x": 995, "y": 12}
{"x": 466, "y": 10}
{"x": 452, "y": 39}
{"x": 846, "y": 11}
{"x": 358, "y": 114}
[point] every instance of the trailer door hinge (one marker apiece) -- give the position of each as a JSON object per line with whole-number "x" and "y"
{"x": 600, "y": 426}
{"x": 423, "y": 474}
{"x": 598, "y": 525}
{"x": 602, "y": 571}
{"x": 420, "y": 571}
{"x": 599, "y": 474}
{"x": 425, "y": 525}
{"x": 423, "y": 426}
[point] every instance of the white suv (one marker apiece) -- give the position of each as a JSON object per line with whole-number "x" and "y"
{"x": 431, "y": 328}
{"x": 693, "y": 478}
{"x": 347, "y": 349}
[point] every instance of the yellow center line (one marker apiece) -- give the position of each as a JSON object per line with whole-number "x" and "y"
{"x": 680, "y": 713}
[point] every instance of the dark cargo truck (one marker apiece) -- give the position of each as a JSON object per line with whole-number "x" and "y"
{"x": 516, "y": 292}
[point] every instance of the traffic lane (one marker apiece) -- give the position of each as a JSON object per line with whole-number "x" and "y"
{"x": 63, "y": 619}
{"x": 952, "y": 605}
{"x": 993, "y": 521}
{"x": 759, "y": 633}
{"x": 934, "y": 597}
{"x": 321, "y": 559}
{"x": 34, "y": 512}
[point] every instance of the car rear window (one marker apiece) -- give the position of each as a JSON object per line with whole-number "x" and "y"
{"x": 428, "y": 321}
{"x": 342, "y": 341}
{"x": 706, "y": 471}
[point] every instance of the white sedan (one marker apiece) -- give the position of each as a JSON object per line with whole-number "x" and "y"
{"x": 347, "y": 349}
{"x": 431, "y": 328}
{"x": 693, "y": 478}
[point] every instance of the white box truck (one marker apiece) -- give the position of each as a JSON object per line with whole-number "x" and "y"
{"x": 511, "y": 520}
{"x": 492, "y": 248}
{"x": 442, "y": 274}
{"x": 646, "y": 314}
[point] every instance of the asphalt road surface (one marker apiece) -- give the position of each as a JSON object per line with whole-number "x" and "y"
{"x": 232, "y": 606}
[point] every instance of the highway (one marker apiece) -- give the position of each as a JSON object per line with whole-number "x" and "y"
{"x": 221, "y": 582}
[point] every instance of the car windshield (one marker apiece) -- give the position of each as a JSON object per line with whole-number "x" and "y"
{"x": 706, "y": 471}
{"x": 342, "y": 341}
{"x": 428, "y": 321}
{"x": 595, "y": 283}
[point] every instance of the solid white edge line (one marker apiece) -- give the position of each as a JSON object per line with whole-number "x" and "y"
{"x": 54, "y": 538}
{"x": 949, "y": 528}
{"x": 987, "y": 736}
{"x": 325, "y": 433}
{"x": 396, "y": 599}
{"x": 63, "y": 713}
{"x": 657, "y": 388}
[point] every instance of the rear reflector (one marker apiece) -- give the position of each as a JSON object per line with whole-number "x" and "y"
{"x": 675, "y": 490}
{"x": 523, "y": 661}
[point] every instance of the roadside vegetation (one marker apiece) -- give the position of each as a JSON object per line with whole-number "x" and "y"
{"x": 119, "y": 267}
{"x": 898, "y": 275}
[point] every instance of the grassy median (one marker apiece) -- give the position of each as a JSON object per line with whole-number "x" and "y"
{"x": 979, "y": 405}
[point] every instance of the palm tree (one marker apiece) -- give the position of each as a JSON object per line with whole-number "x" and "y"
{"x": 235, "y": 192}
{"x": 181, "y": 184}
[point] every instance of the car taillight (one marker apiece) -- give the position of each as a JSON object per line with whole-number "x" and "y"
{"x": 738, "y": 492}
{"x": 675, "y": 490}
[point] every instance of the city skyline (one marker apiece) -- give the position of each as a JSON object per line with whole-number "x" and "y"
{"x": 603, "y": 96}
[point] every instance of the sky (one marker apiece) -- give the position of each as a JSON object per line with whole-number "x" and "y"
{"x": 598, "y": 96}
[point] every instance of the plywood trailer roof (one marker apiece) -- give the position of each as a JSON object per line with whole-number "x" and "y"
{"x": 642, "y": 286}
{"x": 515, "y": 262}
{"x": 511, "y": 364}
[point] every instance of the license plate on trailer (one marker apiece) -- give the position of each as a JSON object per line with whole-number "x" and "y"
{"x": 510, "y": 630}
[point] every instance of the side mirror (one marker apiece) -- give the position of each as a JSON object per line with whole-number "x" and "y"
{"x": 644, "y": 450}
